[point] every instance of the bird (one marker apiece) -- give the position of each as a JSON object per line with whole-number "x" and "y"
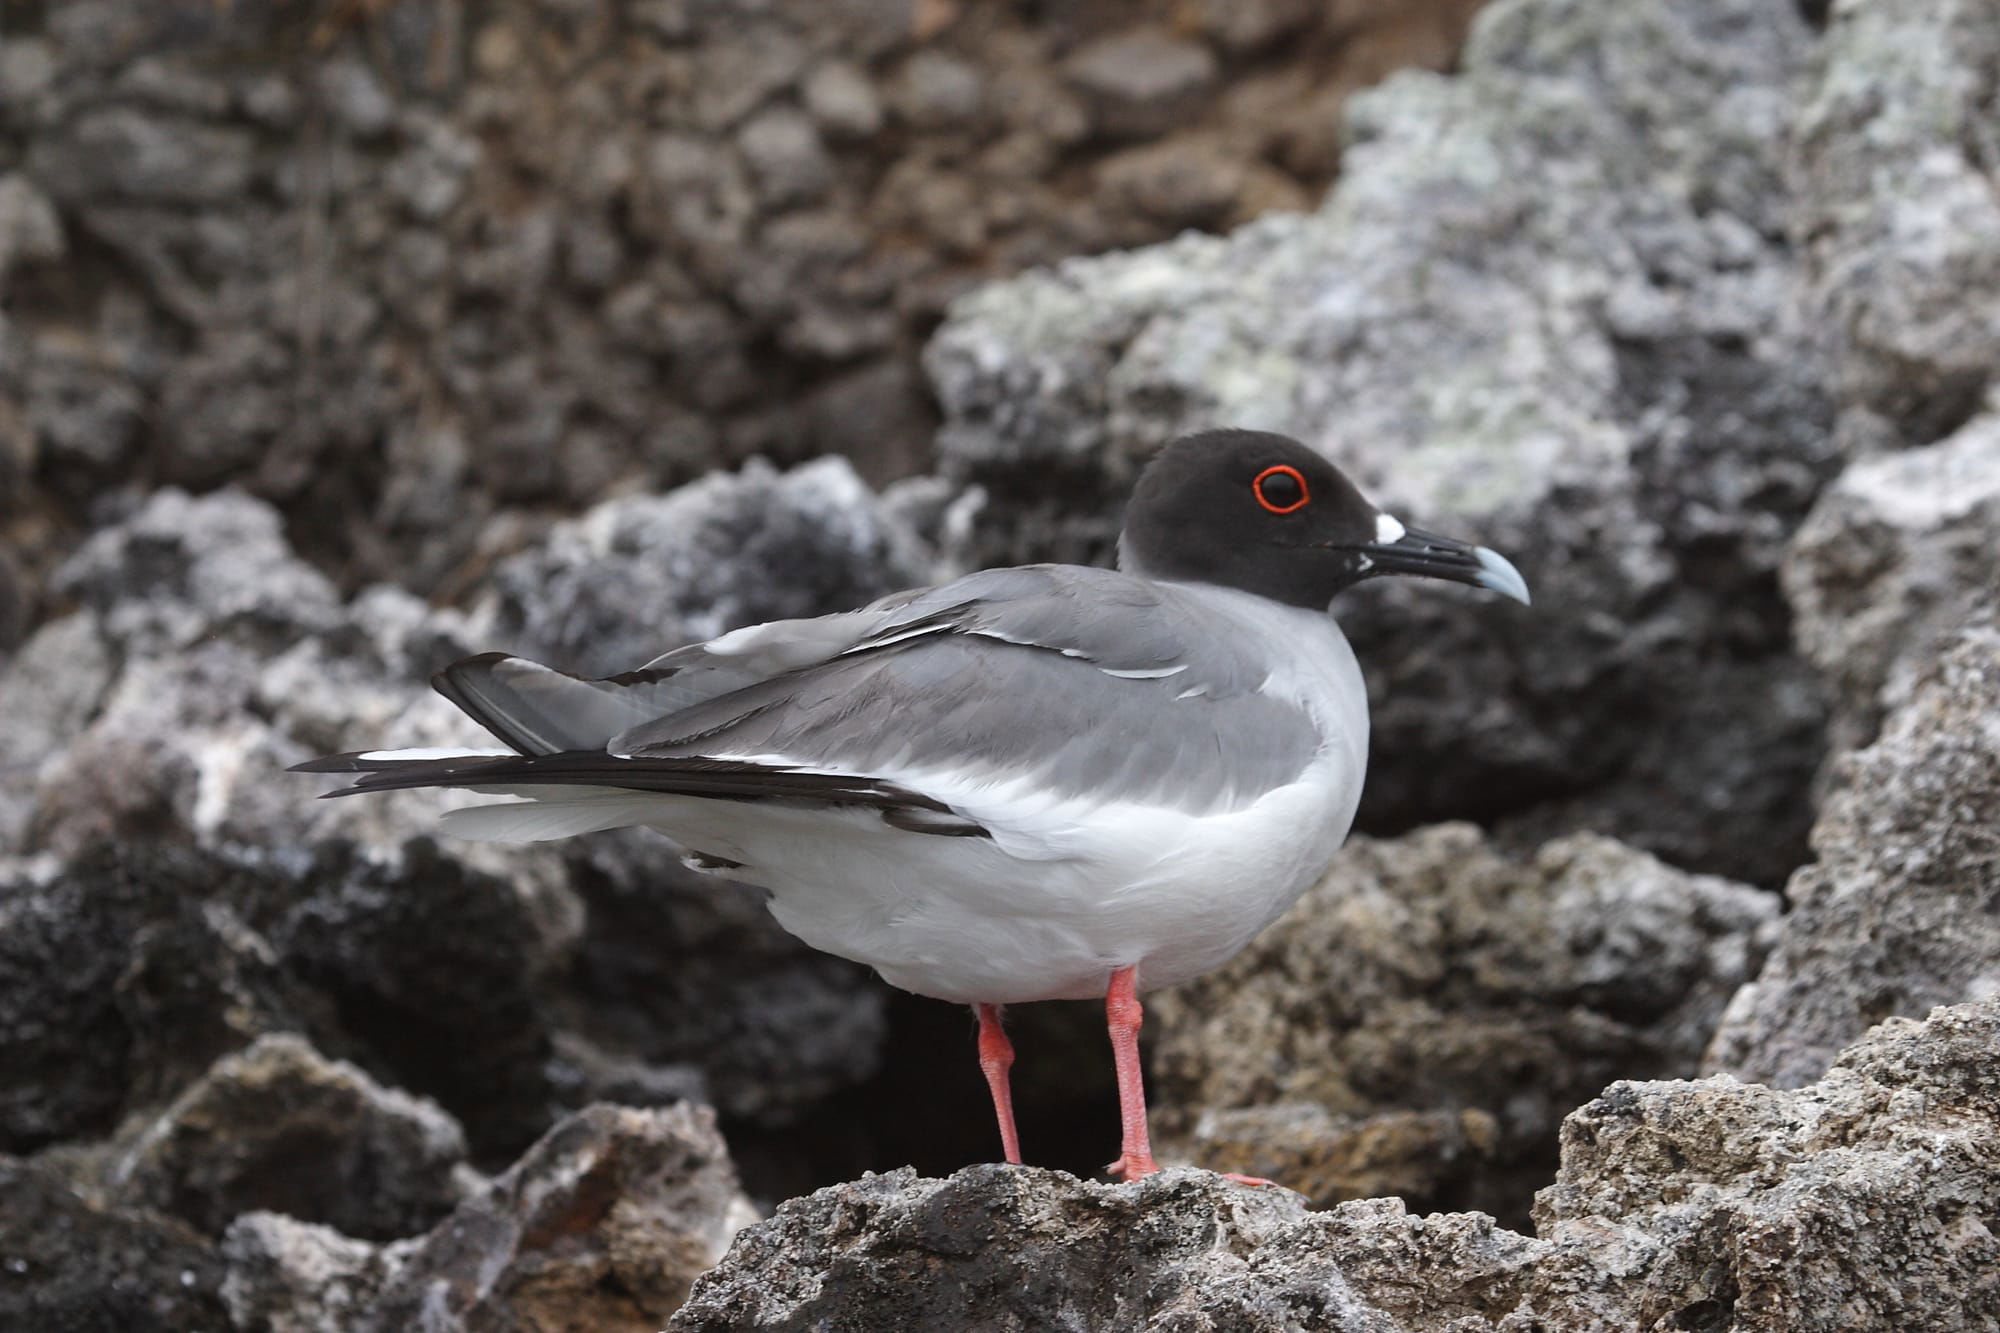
{"x": 1040, "y": 782}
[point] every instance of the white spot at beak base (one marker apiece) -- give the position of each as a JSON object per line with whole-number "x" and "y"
{"x": 1388, "y": 529}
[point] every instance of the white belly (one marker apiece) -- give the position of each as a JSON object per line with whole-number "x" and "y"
{"x": 1065, "y": 890}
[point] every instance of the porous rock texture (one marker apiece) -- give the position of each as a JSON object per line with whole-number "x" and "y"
{"x": 278, "y": 1126}
{"x": 602, "y": 1225}
{"x": 1891, "y": 563}
{"x": 1528, "y": 314}
{"x": 129, "y": 969}
{"x": 1901, "y": 910}
{"x": 1893, "y": 153}
{"x": 68, "y": 1264}
{"x": 1899, "y": 227}
{"x": 1892, "y": 577}
{"x": 731, "y": 549}
{"x": 1420, "y": 1022}
{"x": 402, "y": 268}
{"x": 1857, "y": 1202}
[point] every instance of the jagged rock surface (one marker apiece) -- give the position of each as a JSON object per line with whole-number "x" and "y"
{"x": 1008, "y": 1248}
{"x": 603, "y": 1224}
{"x": 1899, "y": 911}
{"x": 1420, "y": 1022}
{"x": 66, "y": 1264}
{"x": 1615, "y": 389}
{"x": 1895, "y": 213}
{"x": 1854, "y": 1203}
{"x": 278, "y": 1126}
{"x": 1888, "y": 567}
{"x": 635, "y": 576}
{"x": 122, "y": 976}
{"x": 130, "y": 968}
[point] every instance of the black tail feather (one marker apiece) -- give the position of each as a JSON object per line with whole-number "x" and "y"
{"x": 712, "y": 779}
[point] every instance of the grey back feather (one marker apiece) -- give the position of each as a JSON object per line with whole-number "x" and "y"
{"x": 1083, "y": 681}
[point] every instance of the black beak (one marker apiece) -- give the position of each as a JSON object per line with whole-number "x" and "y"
{"x": 1435, "y": 557}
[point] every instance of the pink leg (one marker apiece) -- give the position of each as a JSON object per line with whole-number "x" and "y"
{"x": 1123, "y": 1014}
{"x": 996, "y": 1057}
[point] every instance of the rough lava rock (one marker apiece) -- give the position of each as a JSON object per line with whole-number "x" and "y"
{"x": 123, "y": 974}
{"x": 604, "y": 1224}
{"x": 1894, "y": 154}
{"x": 1858, "y": 1202}
{"x": 67, "y": 1264}
{"x": 278, "y": 1126}
{"x": 438, "y": 976}
{"x": 203, "y": 658}
{"x": 1014, "y": 1248}
{"x": 1420, "y": 1022}
{"x": 637, "y": 576}
{"x": 1528, "y": 315}
{"x": 1890, "y": 565}
{"x": 130, "y": 968}
{"x": 1901, "y": 911}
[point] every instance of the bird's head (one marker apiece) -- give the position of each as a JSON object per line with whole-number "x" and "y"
{"x": 1262, "y": 513}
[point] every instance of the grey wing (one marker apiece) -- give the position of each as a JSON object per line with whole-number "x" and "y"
{"x": 1077, "y": 681}
{"x": 539, "y": 710}
{"x": 559, "y": 727}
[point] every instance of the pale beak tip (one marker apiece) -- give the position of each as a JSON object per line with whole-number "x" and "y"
{"x": 1497, "y": 572}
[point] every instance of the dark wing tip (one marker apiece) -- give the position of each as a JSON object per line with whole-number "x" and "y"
{"x": 445, "y": 682}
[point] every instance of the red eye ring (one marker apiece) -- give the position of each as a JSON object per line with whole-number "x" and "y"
{"x": 1284, "y": 470}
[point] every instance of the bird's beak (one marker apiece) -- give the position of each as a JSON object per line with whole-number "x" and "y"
{"x": 1432, "y": 556}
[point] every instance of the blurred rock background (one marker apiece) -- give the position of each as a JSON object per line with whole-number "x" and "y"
{"x": 338, "y": 340}
{"x": 423, "y": 275}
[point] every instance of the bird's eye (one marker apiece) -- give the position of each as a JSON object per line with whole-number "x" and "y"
{"x": 1280, "y": 489}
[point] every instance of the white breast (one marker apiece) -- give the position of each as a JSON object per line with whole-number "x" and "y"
{"x": 1067, "y": 888}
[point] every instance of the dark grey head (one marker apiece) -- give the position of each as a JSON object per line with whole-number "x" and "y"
{"x": 1263, "y": 513}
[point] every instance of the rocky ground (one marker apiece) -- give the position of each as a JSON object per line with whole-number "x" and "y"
{"x": 1657, "y": 990}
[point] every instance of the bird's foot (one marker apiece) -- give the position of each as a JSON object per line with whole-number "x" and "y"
{"x": 1133, "y": 1165}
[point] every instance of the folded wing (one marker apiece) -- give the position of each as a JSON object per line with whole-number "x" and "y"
{"x": 1010, "y": 676}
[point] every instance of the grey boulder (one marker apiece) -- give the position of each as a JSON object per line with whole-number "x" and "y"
{"x": 278, "y": 1126}
{"x": 1898, "y": 912}
{"x": 68, "y": 1263}
{"x": 1893, "y": 208}
{"x": 1887, "y": 568}
{"x": 604, "y": 1224}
